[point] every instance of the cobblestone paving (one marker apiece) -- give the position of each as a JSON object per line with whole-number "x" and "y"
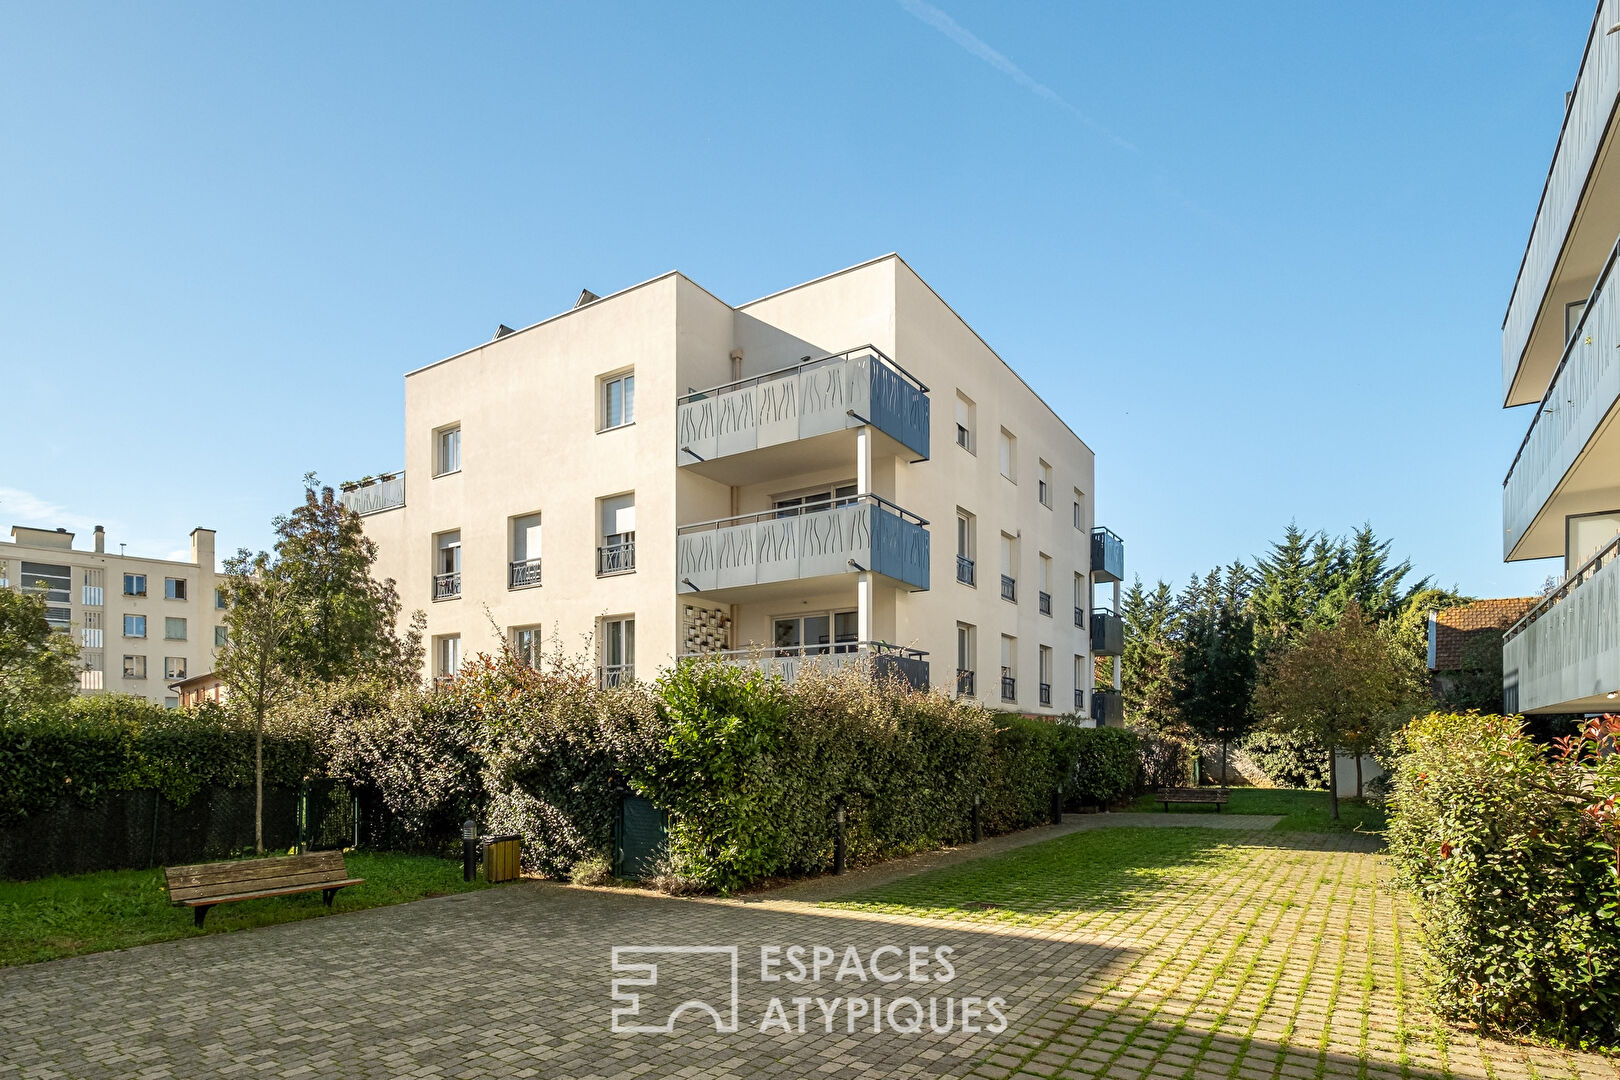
{"x": 1268, "y": 957}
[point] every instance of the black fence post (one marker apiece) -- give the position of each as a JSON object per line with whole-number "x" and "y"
{"x": 838, "y": 838}
{"x": 1057, "y": 805}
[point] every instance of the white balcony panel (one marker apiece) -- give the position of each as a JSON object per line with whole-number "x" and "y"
{"x": 1565, "y": 655}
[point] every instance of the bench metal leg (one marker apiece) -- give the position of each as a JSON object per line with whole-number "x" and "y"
{"x": 1167, "y": 808}
{"x": 326, "y": 896}
{"x": 198, "y": 914}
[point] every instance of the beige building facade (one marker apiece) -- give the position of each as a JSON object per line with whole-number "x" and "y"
{"x": 141, "y": 624}
{"x": 843, "y": 469}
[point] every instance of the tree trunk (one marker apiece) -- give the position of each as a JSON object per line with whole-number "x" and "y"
{"x": 258, "y": 783}
{"x": 1333, "y": 780}
{"x": 1225, "y": 780}
{"x": 1358, "y": 776}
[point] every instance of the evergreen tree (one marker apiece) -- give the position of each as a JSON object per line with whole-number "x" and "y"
{"x": 1146, "y": 668}
{"x": 1214, "y": 684}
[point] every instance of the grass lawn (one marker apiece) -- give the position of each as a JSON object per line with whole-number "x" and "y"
{"x": 65, "y": 916}
{"x": 1301, "y": 810}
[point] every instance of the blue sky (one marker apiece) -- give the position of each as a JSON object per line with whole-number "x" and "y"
{"x": 1257, "y": 255}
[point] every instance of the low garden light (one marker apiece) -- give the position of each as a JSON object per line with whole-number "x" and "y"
{"x": 469, "y": 849}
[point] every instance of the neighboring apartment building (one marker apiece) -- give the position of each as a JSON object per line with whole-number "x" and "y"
{"x": 141, "y": 623}
{"x": 1561, "y": 497}
{"x": 840, "y": 469}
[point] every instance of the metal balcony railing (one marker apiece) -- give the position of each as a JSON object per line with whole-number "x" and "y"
{"x": 1009, "y": 686}
{"x": 1044, "y": 602}
{"x": 611, "y": 675}
{"x": 447, "y": 586}
{"x": 616, "y": 558}
{"x": 373, "y": 496}
{"x": 1107, "y": 556}
{"x": 789, "y": 663}
{"x": 523, "y": 574}
{"x": 1009, "y": 588}
{"x": 965, "y": 683}
{"x": 964, "y": 570}
{"x": 1107, "y": 633}
{"x": 1079, "y": 700}
{"x": 1080, "y": 616}
{"x": 1046, "y": 694}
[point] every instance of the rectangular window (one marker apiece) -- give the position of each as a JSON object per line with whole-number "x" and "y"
{"x": 965, "y": 422}
{"x": 174, "y": 629}
{"x": 1046, "y": 675}
{"x": 219, "y": 599}
{"x": 526, "y": 645}
{"x": 966, "y": 660}
{"x": 1009, "y": 455}
{"x": 447, "y": 565}
{"x": 174, "y": 668}
{"x": 446, "y": 656}
{"x": 966, "y": 567}
{"x": 1009, "y": 668}
{"x": 1045, "y": 583}
{"x": 618, "y": 401}
{"x": 134, "y": 667}
{"x": 1044, "y": 489}
{"x": 524, "y": 570}
{"x": 618, "y": 651}
{"x": 134, "y": 625}
{"x": 811, "y": 501}
{"x": 823, "y": 632}
{"x": 174, "y": 588}
{"x": 91, "y": 589}
{"x": 1081, "y": 601}
{"x": 134, "y": 584}
{"x": 616, "y": 554}
{"x": 447, "y": 450}
{"x": 219, "y": 637}
{"x": 171, "y": 702}
{"x": 54, "y": 583}
{"x": 1079, "y": 511}
{"x": 1080, "y": 685}
{"x": 90, "y": 633}
{"x": 1009, "y": 568}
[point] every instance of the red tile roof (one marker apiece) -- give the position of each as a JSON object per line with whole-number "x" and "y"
{"x": 1454, "y": 627}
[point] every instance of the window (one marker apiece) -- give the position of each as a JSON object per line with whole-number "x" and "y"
{"x": 1046, "y": 675}
{"x": 171, "y": 702}
{"x": 134, "y": 584}
{"x": 822, "y": 632}
{"x": 811, "y": 501}
{"x": 134, "y": 667}
{"x": 525, "y": 567}
{"x": 618, "y": 651}
{"x": 1045, "y": 583}
{"x": 965, "y": 425}
{"x": 174, "y": 588}
{"x": 446, "y": 656}
{"x": 90, "y": 632}
{"x": 1009, "y": 568}
{"x": 54, "y": 583}
{"x": 447, "y": 565}
{"x": 618, "y": 401}
{"x": 1081, "y": 601}
{"x": 134, "y": 625}
{"x": 447, "y": 450}
{"x": 5, "y": 574}
{"x": 59, "y": 618}
{"x": 966, "y": 660}
{"x": 1079, "y": 510}
{"x": 220, "y": 637}
{"x": 526, "y": 645}
{"x": 965, "y": 565}
{"x": 1572, "y": 318}
{"x": 219, "y": 599}
{"x": 1009, "y": 668}
{"x": 1009, "y": 455}
{"x": 1044, "y": 489}
{"x": 1080, "y": 685}
{"x": 91, "y": 589}
{"x": 617, "y": 552}
{"x": 174, "y": 629}
{"x": 174, "y": 668}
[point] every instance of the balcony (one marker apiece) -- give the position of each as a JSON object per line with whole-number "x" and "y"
{"x": 1044, "y": 603}
{"x": 804, "y": 401}
{"x": 617, "y": 558}
{"x": 447, "y": 586}
{"x": 832, "y": 537}
{"x": 1046, "y": 694}
{"x": 1009, "y": 686}
{"x": 1107, "y": 633}
{"x": 1079, "y": 700}
{"x": 1559, "y": 455}
{"x": 1107, "y": 708}
{"x": 524, "y": 574}
{"x": 374, "y": 495}
{"x": 1009, "y": 588}
{"x": 964, "y": 570}
{"x": 880, "y": 658}
{"x": 611, "y": 675}
{"x": 1564, "y": 655}
{"x": 965, "y": 683}
{"x": 1107, "y": 556}
{"x": 1576, "y": 220}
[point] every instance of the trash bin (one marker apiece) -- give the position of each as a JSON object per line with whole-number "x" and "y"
{"x": 501, "y": 857}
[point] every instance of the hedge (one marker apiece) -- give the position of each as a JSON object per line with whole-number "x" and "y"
{"x": 1510, "y": 849}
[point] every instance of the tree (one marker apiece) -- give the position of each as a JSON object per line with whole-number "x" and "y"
{"x": 260, "y": 616}
{"x": 1147, "y": 665}
{"x": 38, "y": 664}
{"x": 349, "y": 627}
{"x": 1214, "y": 685}
{"x": 1338, "y": 686}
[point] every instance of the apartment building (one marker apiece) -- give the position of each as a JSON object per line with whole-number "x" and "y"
{"x": 839, "y": 470}
{"x": 1561, "y": 496}
{"x": 141, "y": 623}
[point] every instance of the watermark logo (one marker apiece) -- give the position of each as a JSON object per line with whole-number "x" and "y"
{"x": 713, "y": 968}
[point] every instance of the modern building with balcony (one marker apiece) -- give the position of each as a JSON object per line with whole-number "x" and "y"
{"x": 1561, "y": 495}
{"x": 808, "y": 479}
{"x": 141, "y": 624}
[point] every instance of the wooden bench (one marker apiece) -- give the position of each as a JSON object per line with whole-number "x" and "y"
{"x": 201, "y": 887}
{"x": 1216, "y": 796}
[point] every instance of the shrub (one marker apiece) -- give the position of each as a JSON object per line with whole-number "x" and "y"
{"x": 1510, "y": 851}
{"x": 1108, "y": 766}
{"x": 1287, "y": 760}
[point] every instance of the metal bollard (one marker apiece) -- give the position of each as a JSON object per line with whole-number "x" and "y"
{"x": 838, "y": 841}
{"x": 469, "y": 849}
{"x": 1057, "y": 806}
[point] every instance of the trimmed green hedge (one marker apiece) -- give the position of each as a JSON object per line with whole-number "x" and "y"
{"x": 1107, "y": 768}
{"x": 1510, "y": 850}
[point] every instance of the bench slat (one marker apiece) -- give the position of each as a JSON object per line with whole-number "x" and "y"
{"x": 252, "y": 869}
{"x": 210, "y": 901}
{"x": 280, "y": 881}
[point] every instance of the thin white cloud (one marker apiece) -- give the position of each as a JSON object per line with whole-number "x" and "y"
{"x": 932, "y": 16}
{"x": 19, "y": 507}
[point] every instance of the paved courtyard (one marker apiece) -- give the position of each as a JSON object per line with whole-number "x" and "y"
{"x": 1251, "y": 955}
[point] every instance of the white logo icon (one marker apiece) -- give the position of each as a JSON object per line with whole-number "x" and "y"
{"x": 624, "y": 1017}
